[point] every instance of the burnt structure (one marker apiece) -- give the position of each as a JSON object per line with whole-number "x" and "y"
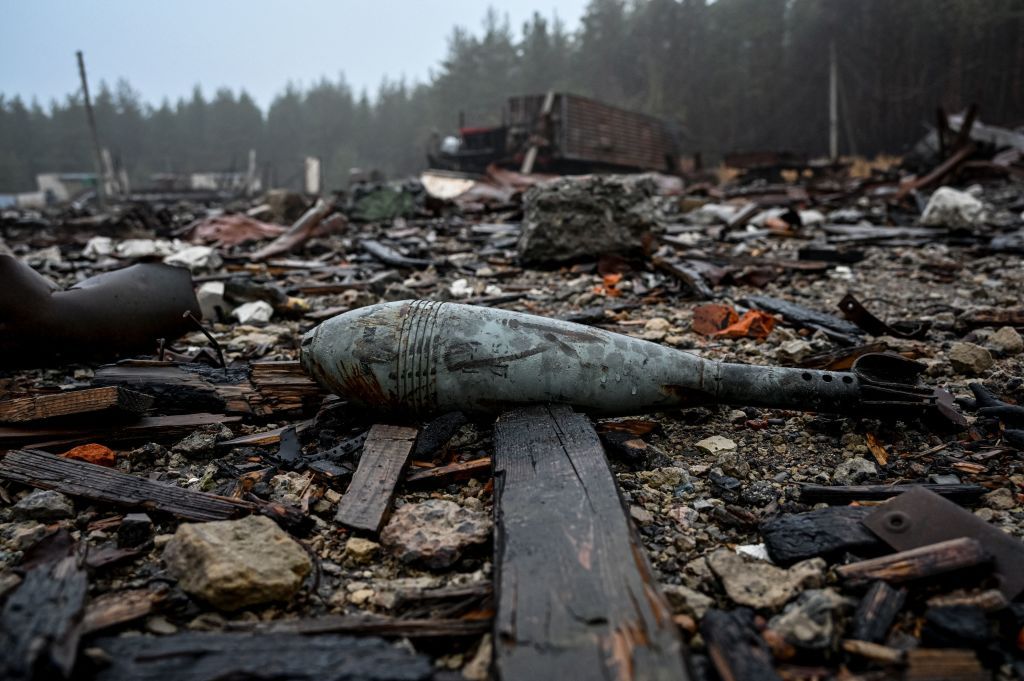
{"x": 567, "y": 134}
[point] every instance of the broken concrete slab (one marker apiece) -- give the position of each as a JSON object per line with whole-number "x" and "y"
{"x": 575, "y": 218}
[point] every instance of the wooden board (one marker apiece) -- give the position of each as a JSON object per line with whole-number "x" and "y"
{"x": 148, "y": 428}
{"x": 576, "y": 597}
{"x": 81, "y": 479}
{"x": 88, "y": 401}
{"x": 365, "y": 504}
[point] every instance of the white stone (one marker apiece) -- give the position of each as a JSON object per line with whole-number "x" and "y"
{"x": 211, "y": 299}
{"x": 948, "y": 207}
{"x": 716, "y": 444}
{"x": 256, "y": 311}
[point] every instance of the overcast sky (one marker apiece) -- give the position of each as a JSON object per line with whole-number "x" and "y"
{"x": 165, "y": 48}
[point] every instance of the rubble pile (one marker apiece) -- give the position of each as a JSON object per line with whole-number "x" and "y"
{"x": 173, "y": 479}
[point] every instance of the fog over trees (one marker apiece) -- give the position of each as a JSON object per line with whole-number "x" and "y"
{"x": 731, "y": 74}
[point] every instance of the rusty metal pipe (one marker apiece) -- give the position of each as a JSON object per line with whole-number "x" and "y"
{"x": 427, "y": 356}
{"x": 103, "y": 317}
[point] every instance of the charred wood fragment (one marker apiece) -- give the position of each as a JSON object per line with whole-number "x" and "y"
{"x": 876, "y": 612}
{"x": 793, "y": 537}
{"x": 736, "y": 648}
{"x": 41, "y": 622}
{"x": 925, "y": 561}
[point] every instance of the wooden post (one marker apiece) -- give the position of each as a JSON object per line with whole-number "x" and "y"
{"x": 92, "y": 130}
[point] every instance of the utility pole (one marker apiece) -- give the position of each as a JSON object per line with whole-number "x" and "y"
{"x": 98, "y": 155}
{"x": 833, "y": 102}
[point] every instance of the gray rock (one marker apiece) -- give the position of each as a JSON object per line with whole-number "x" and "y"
{"x": 687, "y": 601}
{"x": 201, "y": 440}
{"x": 854, "y": 471}
{"x": 44, "y": 505}
{"x": 1006, "y": 341}
{"x": 969, "y": 359}
{"x": 135, "y": 529}
{"x": 288, "y": 487}
{"x": 25, "y": 534}
{"x": 948, "y": 207}
{"x": 235, "y": 563}
{"x": 434, "y": 533}
{"x": 808, "y": 622}
{"x": 641, "y": 515}
{"x": 792, "y": 352}
{"x": 667, "y": 478}
{"x": 360, "y": 550}
{"x": 1001, "y": 499}
{"x": 734, "y": 464}
{"x": 759, "y": 494}
{"x": 583, "y": 217}
{"x": 762, "y": 585}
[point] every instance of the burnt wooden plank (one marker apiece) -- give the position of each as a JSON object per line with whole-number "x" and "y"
{"x": 174, "y": 387}
{"x": 98, "y": 483}
{"x": 576, "y": 597}
{"x": 375, "y": 625}
{"x": 41, "y": 622}
{"x": 365, "y": 504}
{"x": 150, "y": 428}
{"x": 88, "y": 401}
{"x": 207, "y": 656}
{"x": 925, "y": 561}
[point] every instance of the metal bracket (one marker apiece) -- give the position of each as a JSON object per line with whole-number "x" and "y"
{"x": 919, "y": 517}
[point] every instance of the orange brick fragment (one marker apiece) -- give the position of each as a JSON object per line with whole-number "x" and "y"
{"x": 92, "y": 453}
